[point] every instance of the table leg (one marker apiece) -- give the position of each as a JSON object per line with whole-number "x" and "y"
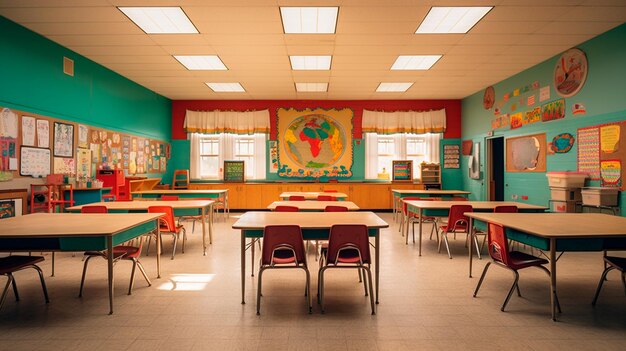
{"x": 158, "y": 249}
{"x": 553, "y": 278}
{"x": 211, "y": 224}
{"x": 377, "y": 261}
{"x": 393, "y": 204}
{"x": 110, "y": 270}
{"x": 202, "y": 219}
{"x": 471, "y": 238}
{"x": 243, "y": 267}
{"x": 419, "y": 213}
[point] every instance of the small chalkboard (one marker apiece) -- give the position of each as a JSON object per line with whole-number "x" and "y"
{"x": 234, "y": 172}
{"x": 402, "y": 171}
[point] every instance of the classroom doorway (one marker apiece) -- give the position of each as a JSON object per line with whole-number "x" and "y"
{"x": 495, "y": 169}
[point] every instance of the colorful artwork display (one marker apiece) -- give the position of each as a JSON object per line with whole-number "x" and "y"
{"x": 517, "y": 120}
{"x": 532, "y": 116}
{"x": 273, "y": 147}
{"x": 451, "y": 156}
{"x": 609, "y": 138}
{"x": 28, "y": 131}
{"x": 64, "y": 165}
{"x": 589, "y": 151}
{"x": 43, "y": 133}
{"x": 553, "y": 110}
{"x": 7, "y": 209}
{"x": 611, "y": 173}
{"x": 562, "y": 143}
{"x": 63, "y": 140}
{"x": 315, "y": 143}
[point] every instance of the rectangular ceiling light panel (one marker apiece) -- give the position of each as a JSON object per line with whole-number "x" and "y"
{"x": 415, "y": 62}
{"x": 393, "y": 87}
{"x": 315, "y": 63}
{"x": 309, "y": 20}
{"x": 160, "y": 20}
{"x": 312, "y": 87}
{"x": 451, "y": 19}
{"x": 226, "y": 87}
{"x": 201, "y": 62}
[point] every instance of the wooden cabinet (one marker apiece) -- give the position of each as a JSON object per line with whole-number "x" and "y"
{"x": 431, "y": 175}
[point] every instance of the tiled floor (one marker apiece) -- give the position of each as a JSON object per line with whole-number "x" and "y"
{"x": 426, "y": 303}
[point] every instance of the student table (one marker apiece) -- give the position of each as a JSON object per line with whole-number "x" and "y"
{"x": 313, "y": 205}
{"x": 398, "y": 194}
{"x": 315, "y": 226}
{"x": 441, "y": 209}
{"x": 186, "y": 194}
{"x": 84, "y": 196}
{"x": 71, "y": 232}
{"x": 559, "y": 232}
{"x": 312, "y": 195}
{"x": 181, "y": 208}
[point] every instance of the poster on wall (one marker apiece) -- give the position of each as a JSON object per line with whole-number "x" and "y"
{"x": 589, "y": 151}
{"x": 34, "y": 162}
{"x": 83, "y": 136}
{"x": 7, "y": 208}
{"x": 28, "y": 131}
{"x": 611, "y": 173}
{"x": 63, "y": 140}
{"x": 273, "y": 146}
{"x": 64, "y": 165}
{"x": 314, "y": 143}
{"x": 451, "y": 156}
{"x": 83, "y": 163}
{"x": 8, "y": 123}
{"x": 553, "y": 110}
{"x": 43, "y": 133}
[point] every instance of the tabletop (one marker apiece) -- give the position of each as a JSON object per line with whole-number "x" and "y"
{"x": 69, "y": 224}
{"x": 432, "y": 192}
{"x": 479, "y": 205}
{"x": 143, "y": 205}
{"x": 311, "y": 194}
{"x": 308, "y": 220}
{"x": 181, "y": 191}
{"x": 558, "y": 225}
{"x": 314, "y": 205}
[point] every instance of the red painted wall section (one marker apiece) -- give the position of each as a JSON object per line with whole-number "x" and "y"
{"x": 453, "y": 110}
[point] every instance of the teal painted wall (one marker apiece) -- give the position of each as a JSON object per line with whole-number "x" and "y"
{"x": 604, "y": 95}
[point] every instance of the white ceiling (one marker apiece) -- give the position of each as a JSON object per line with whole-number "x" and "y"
{"x": 248, "y": 37}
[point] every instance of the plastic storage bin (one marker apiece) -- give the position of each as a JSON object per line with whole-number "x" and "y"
{"x": 565, "y": 194}
{"x": 594, "y": 196}
{"x": 566, "y": 179}
{"x": 563, "y": 206}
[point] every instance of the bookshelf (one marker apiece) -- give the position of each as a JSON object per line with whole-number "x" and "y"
{"x": 431, "y": 175}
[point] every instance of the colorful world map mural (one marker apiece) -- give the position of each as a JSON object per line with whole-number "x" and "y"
{"x": 315, "y": 143}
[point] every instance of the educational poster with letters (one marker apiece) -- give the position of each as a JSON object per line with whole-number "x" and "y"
{"x": 602, "y": 153}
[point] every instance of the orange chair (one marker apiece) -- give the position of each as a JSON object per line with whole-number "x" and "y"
{"x": 296, "y": 198}
{"x": 326, "y": 198}
{"x": 283, "y": 208}
{"x": 120, "y": 252}
{"x": 457, "y": 223}
{"x": 348, "y": 247}
{"x": 12, "y": 264}
{"x": 169, "y": 198}
{"x": 283, "y": 248}
{"x": 168, "y": 225}
{"x": 512, "y": 260}
{"x": 180, "y": 179}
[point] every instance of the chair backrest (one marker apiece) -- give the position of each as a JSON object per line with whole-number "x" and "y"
{"x": 410, "y": 198}
{"x": 332, "y": 208}
{"x": 54, "y": 179}
{"x": 296, "y": 198}
{"x": 94, "y": 209}
{"x": 169, "y": 198}
{"x": 348, "y": 241}
{"x": 458, "y": 198}
{"x": 498, "y": 243}
{"x": 281, "y": 242}
{"x": 457, "y": 219}
{"x": 505, "y": 209}
{"x": 168, "y": 219}
{"x": 180, "y": 179}
{"x": 326, "y": 198}
{"x": 285, "y": 208}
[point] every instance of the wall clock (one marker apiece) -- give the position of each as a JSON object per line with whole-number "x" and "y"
{"x": 570, "y": 72}
{"x": 489, "y": 97}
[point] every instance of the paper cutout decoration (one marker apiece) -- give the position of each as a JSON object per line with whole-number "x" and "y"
{"x": 489, "y": 97}
{"x": 466, "y": 147}
{"x": 570, "y": 72}
{"x": 611, "y": 172}
{"x": 553, "y": 110}
{"x": 562, "y": 143}
{"x": 609, "y": 138}
{"x": 578, "y": 109}
{"x": 544, "y": 93}
{"x": 516, "y": 120}
{"x": 530, "y": 100}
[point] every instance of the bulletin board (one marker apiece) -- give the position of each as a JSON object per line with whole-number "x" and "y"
{"x": 36, "y": 145}
{"x": 602, "y": 153}
{"x": 402, "y": 171}
{"x": 234, "y": 171}
{"x": 526, "y": 153}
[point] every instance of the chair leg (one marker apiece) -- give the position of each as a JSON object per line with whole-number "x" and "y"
{"x": 132, "y": 277}
{"x": 445, "y": 238}
{"x": 477, "y": 247}
{"x": 148, "y": 247}
{"x": 482, "y": 277}
{"x": 143, "y": 272}
{"x": 308, "y": 289}
{"x": 185, "y": 237}
{"x": 258, "y": 292}
{"x": 174, "y": 247}
{"x": 252, "y": 255}
{"x": 43, "y": 283}
{"x": 360, "y": 276}
{"x": 6, "y": 289}
{"x": 15, "y": 292}
{"x": 508, "y": 297}
{"x": 362, "y": 271}
{"x": 606, "y": 271}
{"x": 369, "y": 278}
{"x": 321, "y": 288}
{"x": 82, "y": 280}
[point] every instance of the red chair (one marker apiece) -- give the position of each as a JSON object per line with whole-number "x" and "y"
{"x": 505, "y": 209}
{"x": 457, "y": 198}
{"x": 283, "y": 248}
{"x": 611, "y": 263}
{"x": 332, "y": 208}
{"x": 323, "y": 245}
{"x": 512, "y": 260}
{"x": 284, "y": 208}
{"x": 413, "y": 218}
{"x": 12, "y": 264}
{"x": 457, "y": 223}
{"x": 120, "y": 252}
{"x": 326, "y": 198}
{"x": 168, "y": 225}
{"x": 169, "y": 198}
{"x": 348, "y": 247}
{"x": 296, "y": 198}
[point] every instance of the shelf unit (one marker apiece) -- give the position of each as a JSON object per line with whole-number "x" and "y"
{"x": 431, "y": 175}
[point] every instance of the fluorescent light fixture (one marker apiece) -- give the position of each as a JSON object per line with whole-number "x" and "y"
{"x": 315, "y": 63}
{"x": 226, "y": 87}
{"x": 393, "y": 87}
{"x": 199, "y": 62}
{"x": 312, "y": 87}
{"x": 418, "y": 62}
{"x": 309, "y": 20}
{"x": 160, "y": 20}
{"x": 452, "y": 19}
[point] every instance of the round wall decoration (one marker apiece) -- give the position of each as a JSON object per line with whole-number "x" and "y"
{"x": 489, "y": 97}
{"x": 570, "y": 72}
{"x": 562, "y": 143}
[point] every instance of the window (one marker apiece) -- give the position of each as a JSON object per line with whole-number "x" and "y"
{"x": 381, "y": 150}
{"x": 208, "y": 153}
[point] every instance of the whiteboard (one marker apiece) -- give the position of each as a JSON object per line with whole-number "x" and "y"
{"x": 34, "y": 162}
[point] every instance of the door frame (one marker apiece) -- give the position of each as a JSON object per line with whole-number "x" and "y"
{"x": 489, "y": 164}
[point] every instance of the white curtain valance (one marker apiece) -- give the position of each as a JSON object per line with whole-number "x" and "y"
{"x": 235, "y": 122}
{"x": 415, "y": 122}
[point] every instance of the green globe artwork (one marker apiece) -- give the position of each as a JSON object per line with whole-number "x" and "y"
{"x": 314, "y": 141}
